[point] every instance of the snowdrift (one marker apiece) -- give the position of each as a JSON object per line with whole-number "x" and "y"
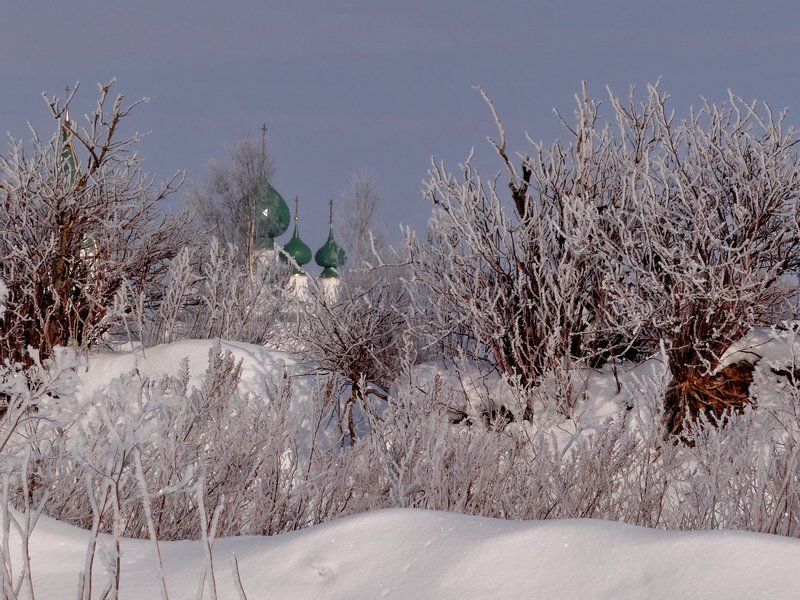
{"x": 259, "y": 364}
{"x": 261, "y": 367}
{"x": 411, "y": 554}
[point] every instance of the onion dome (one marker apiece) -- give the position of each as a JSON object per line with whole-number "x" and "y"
{"x": 331, "y": 255}
{"x": 272, "y": 217}
{"x": 89, "y": 244}
{"x": 296, "y": 249}
{"x": 89, "y": 250}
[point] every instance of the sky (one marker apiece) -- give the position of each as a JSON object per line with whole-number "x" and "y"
{"x": 386, "y": 86}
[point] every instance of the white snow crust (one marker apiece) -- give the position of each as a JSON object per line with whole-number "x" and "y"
{"x": 415, "y": 554}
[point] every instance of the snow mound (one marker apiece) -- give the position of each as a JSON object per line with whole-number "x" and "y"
{"x": 259, "y": 364}
{"x": 262, "y": 368}
{"x": 772, "y": 347}
{"x": 421, "y": 554}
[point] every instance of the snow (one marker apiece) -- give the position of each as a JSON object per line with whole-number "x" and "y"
{"x": 422, "y": 554}
{"x": 259, "y": 364}
{"x": 768, "y": 346}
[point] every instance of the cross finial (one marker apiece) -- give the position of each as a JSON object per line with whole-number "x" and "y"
{"x": 67, "y": 91}
{"x": 330, "y": 217}
{"x": 264, "y": 139}
{"x": 296, "y": 204}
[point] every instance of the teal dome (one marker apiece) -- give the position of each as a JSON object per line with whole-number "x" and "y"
{"x": 330, "y": 256}
{"x": 296, "y": 249}
{"x": 89, "y": 244}
{"x": 272, "y": 217}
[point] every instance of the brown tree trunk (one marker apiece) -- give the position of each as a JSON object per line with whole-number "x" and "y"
{"x": 693, "y": 393}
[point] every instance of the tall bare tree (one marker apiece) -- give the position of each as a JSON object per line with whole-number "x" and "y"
{"x": 360, "y": 228}
{"x": 227, "y": 201}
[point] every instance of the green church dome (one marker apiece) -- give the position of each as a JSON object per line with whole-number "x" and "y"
{"x": 272, "y": 217}
{"x": 89, "y": 244}
{"x": 331, "y": 255}
{"x": 296, "y": 249}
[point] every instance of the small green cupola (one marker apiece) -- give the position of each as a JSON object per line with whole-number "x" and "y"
{"x": 331, "y": 255}
{"x": 296, "y": 249}
{"x": 272, "y": 217}
{"x": 89, "y": 244}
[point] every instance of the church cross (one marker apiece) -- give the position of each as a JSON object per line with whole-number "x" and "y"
{"x": 264, "y": 139}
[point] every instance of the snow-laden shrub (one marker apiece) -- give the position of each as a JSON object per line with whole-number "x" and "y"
{"x": 208, "y": 293}
{"x": 142, "y": 446}
{"x": 358, "y": 334}
{"x": 741, "y": 472}
{"x": 706, "y": 226}
{"x": 508, "y": 271}
{"x": 649, "y": 232}
{"x": 238, "y": 305}
{"x": 83, "y": 230}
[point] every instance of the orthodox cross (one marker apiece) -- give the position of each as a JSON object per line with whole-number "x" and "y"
{"x": 67, "y": 90}
{"x": 264, "y": 139}
{"x": 330, "y": 217}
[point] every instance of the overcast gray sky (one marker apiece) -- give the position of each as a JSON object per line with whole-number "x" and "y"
{"x": 383, "y": 85}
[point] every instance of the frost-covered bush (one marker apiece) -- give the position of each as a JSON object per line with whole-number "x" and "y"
{"x": 359, "y": 334}
{"x": 707, "y": 228}
{"x": 209, "y": 293}
{"x": 144, "y": 446}
{"x": 641, "y": 233}
{"x": 82, "y": 230}
{"x": 741, "y": 472}
{"x": 509, "y": 273}
{"x": 239, "y": 306}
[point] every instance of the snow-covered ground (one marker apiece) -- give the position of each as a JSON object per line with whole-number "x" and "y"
{"x": 259, "y": 364}
{"x": 261, "y": 367}
{"x": 412, "y": 554}
{"x": 421, "y": 554}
